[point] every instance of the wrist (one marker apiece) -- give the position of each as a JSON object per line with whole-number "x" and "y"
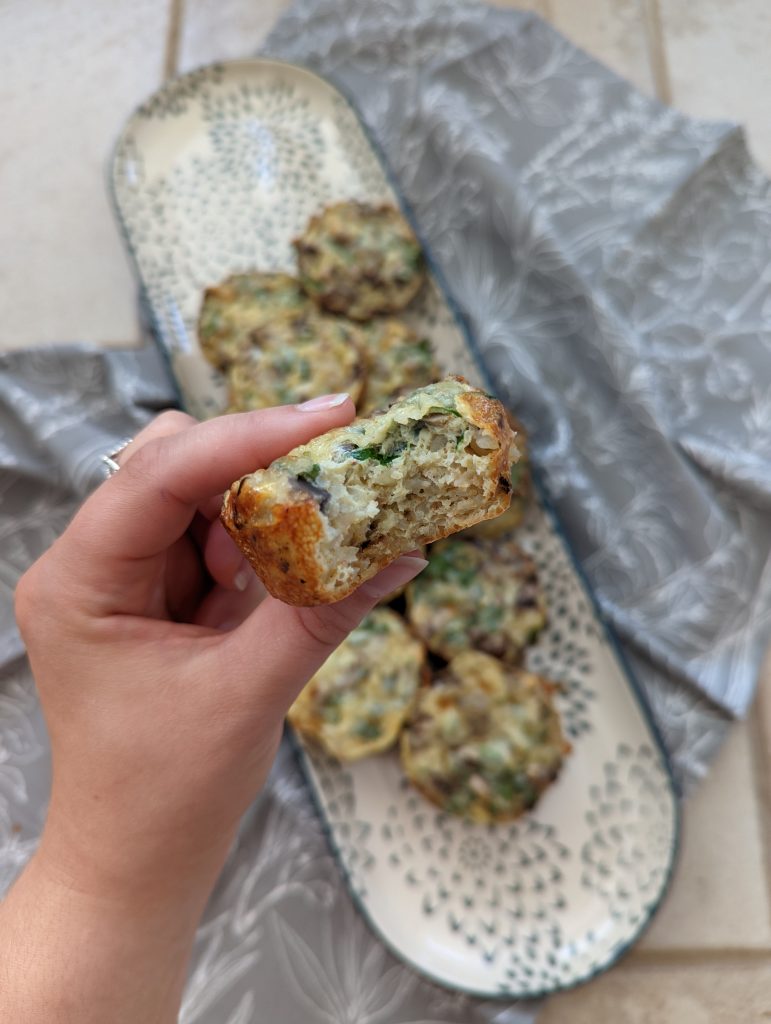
{"x": 117, "y": 903}
{"x": 72, "y": 954}
{"x": 146, "y": 875}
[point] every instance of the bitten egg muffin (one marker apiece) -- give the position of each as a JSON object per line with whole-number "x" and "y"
{"x": 331, "y": 513}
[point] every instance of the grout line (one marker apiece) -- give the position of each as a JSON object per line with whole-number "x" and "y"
{"x": 657, "y": 55}
{"x": 171, "y": 53}
{"x": 760, "y": 712}
{"x": 676, "y": 957}
{"x": 121, "y": 345}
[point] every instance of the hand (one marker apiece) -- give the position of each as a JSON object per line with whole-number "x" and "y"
{"x": 163, "y": 677}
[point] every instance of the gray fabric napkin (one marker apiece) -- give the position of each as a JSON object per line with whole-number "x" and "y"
{"x": 613, "y": 259}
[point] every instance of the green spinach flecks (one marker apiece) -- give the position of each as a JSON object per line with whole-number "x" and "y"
{"x": 367, "y": 730}
{"x": 310, "y": 474}
{"x": 444, "y": 409}
{"x": 375, "y": 453}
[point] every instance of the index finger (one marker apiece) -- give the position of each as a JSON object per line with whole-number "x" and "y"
{"x": 151, "y": 501}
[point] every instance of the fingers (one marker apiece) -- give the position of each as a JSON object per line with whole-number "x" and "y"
{"x": 185, "y": 583}
{"x": 225, "y": 610}
{"x": 171, "y": 421}
{"x": 224, "y": 562}
{"x": 279, "y": 647}
{"x": 150, "y": 502}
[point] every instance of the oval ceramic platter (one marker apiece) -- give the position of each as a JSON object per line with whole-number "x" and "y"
{"x": 215, "y": 174}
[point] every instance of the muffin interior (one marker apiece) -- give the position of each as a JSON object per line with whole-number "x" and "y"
{"x": 422, "y": 477}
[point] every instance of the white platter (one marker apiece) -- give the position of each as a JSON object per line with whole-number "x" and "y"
{"x": 215, "y": 174}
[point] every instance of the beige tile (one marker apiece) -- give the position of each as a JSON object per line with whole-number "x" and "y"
{"x": 719, "y": 897}
{"x": 761, "y": 723}
{"x": 224, "y": 29}
{"x": 71, "y": 73}
{"x": 613, "y": 31}
{"x": 719, "y": 66}
{"x": 715, "y": 993}
{"x": 539, "y": 6}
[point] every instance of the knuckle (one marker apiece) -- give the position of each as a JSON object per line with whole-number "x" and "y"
{"x": 23, "y": 600}
{"x": 172, "y": 420}
{"x": 165, "y": 425}
{"x": 149, "y": 459}
{"x": 146, "y": 461}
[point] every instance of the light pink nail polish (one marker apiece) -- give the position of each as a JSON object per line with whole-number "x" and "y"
{"x": 241, "y": 579}
{"x": 395, "y": 575}
{"x": 323, "y": 402}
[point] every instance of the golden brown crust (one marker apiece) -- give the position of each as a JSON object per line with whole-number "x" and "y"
{"x": 488, "y": 413}
{"x": 428, "y": 792}
{"x": 284, "y": 557}
{"x": 521, "y": 493}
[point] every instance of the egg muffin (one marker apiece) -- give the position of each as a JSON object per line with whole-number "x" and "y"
{"x": 397, "y": 361}
{"x": 521, "y": 493}
{"x": 230, "y": 311}
{"x": 479, "y": 595}
{"x": 357, "y": 702}
{"x": 360, "y": 260}
{"x": 331, "y": 513}
{"x": 484, "y": 741}
{"x": 296, "y": 357}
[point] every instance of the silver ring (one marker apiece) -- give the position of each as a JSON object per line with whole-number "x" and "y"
{"x": 108, "y": 461}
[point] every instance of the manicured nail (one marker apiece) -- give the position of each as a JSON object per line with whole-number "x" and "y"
{"x": 395, "y": 575}
{"x": 323, "y": 402}
{"x": 228, "y": 625}
{"x": 241, "y": 579}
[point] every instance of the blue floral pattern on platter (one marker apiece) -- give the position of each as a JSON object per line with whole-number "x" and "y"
{"x": 216, "y": 174}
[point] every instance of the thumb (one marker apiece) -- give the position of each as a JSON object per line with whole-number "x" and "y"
{"x": 274, "y": 653}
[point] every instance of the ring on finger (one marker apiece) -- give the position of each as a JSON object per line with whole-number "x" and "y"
{"x": 109, "y": 460}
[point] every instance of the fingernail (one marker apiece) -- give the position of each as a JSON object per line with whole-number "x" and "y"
{"x": 241, "y": 579}
{"x": 323, "y": 402}
{"x": 395, "y": 575}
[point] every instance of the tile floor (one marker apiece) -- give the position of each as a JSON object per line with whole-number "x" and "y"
{"x": 72, "y": 70}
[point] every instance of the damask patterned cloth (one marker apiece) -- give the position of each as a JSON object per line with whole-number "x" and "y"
{"x": 614, "y": 260}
